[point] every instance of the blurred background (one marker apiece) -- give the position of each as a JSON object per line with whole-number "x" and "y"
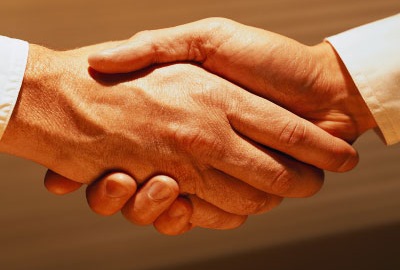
{"x": 353, "y": 223}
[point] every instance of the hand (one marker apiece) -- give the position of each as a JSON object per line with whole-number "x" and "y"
{"x": 309, "y": 81}
{"x": 251, "y": 57}
{"x": 155, "y": 202}
{"x": 160, "y": 206}
{"x": 146, "y": 121}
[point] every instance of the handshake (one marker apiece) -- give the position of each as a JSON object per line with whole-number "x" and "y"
{"x": 197, "y": 125}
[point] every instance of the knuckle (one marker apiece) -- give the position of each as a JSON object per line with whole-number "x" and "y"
{"x": 196, "y": 140}
{"x": 145, "y": 35}
{"x": 197, "y": 48}
{"x": 210, "y": 92}
{"x": 269, "y": 202}
{"x": 202, "y": 44}
{"x": 283, "y": 182}
{"x": 250, "y": 207}
{"x": 191, "y": 139}
{"x": 218, "y": 98}
{"x": 262, "y": 203}
{"x": 246, "y": 200}
{"x": 293, "y": 133}
{"x": 221, "y": 28}
{"x": 306, "y": 183}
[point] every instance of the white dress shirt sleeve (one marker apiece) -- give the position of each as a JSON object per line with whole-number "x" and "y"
{"x": 13, "y": 59}
{"x": 371, "y": 53}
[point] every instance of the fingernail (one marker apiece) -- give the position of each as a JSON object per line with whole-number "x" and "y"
{"x": 158, "y": 191}
{"x": 115, "y": 189}
{"x": 177, "y": 211}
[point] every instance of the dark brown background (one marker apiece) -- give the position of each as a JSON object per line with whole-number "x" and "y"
{"x": 354, "y": 223}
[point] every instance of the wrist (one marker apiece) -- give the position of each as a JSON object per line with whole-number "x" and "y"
{"x": 59, "y": 115}
{"x": 24, "y": 134}
{"x": 344, "y": 97}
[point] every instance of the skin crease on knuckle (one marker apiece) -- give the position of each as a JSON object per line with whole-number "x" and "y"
{"x": 305, "y": 182}
{"x": 199, "y": 141}
{"x": 282, "y": 183}
{"x": 204, "y": 46}
{"x": 258, "y": 205}
{"x": 293, "y": 133}
{"x": 206, "y": 138}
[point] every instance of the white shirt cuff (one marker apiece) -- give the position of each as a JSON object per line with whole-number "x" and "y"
{"x": 371, "y": 53}
{"x": 13, "y": 59}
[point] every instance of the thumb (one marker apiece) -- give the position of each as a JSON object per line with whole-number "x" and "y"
{"x": 189, "y": 42}
{"x": 130, "y": 56}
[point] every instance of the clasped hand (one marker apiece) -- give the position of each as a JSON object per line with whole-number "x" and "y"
{"x": 233, "y": 152}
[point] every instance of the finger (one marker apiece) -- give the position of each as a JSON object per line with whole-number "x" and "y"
{"x": 275, "y": 127}
{"x": 269, "y": 171}
{"x": 154, "y": 198}
{"x": 146, "y": 48}
{"x": 109, "y": 194}
{"x": 183, "y": 216}
{"x": 206, "y": 215}
{"x": 58, "y": 184}
{"x": 176, "y": 220}
{"x": 261, "y": 168}
{"x": 215, "y": 43}
{"x": 233, "y": 195}
{"x": 197, "y": 41}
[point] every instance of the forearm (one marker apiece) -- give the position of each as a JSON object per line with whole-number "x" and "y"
{"x": 22, "y": 72}
{"x": 26, "y": 135}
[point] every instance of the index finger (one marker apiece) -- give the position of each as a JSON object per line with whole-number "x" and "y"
{"x": 276, "y": 128}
